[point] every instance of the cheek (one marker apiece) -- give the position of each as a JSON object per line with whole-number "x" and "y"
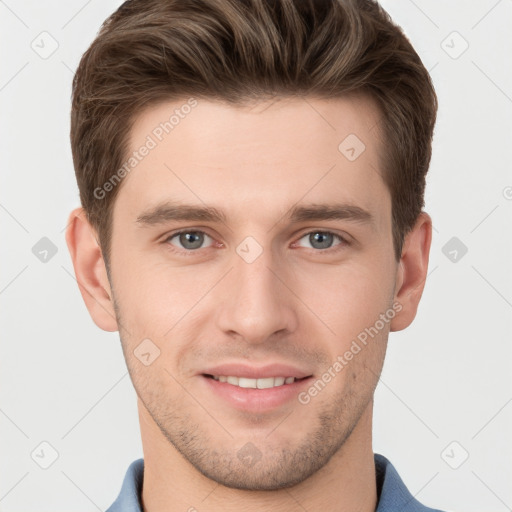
{"x": 348, "y": 297}
{"x": 153, "y": 298}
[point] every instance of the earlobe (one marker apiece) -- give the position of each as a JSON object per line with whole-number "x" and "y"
{"x": 412, "y": 272}
{"x": 90, "y": 270}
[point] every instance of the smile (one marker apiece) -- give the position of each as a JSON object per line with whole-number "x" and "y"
{"x": 245, "y": 382}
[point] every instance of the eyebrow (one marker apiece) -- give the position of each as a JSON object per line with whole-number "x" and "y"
{"x": 173, "y": 211}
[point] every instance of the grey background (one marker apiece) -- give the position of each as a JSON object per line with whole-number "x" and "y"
{"x": 445, "y": 392}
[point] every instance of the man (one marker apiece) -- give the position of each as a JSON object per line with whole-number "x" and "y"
{"x": 251, "y": 175}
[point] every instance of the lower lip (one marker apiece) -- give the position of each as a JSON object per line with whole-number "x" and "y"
{"x": 256, "y": 400}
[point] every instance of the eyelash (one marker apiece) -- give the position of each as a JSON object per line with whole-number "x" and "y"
{"x": 344, "y": 242}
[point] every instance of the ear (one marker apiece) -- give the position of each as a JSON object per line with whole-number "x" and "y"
{"x": 90, "y": 270}
{"x": 412, "y": 272}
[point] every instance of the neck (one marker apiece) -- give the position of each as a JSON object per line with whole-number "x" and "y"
{"x": 346, "y": 483}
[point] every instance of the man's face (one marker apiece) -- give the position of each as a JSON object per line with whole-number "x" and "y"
{"x": 258, "y": 288}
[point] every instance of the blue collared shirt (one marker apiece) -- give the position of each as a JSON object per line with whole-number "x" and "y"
{"x": 393, "y": 495}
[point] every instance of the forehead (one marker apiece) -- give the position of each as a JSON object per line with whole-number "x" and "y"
{"x": 264, "y": 155}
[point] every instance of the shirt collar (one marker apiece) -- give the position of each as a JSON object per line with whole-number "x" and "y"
{"x": 392, "y": 494}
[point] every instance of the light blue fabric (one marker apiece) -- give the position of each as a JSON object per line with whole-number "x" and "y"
{"x": 393, "y": 495}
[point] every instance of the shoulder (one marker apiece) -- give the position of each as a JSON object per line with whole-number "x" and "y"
{"x": 128, "y": 499}
{"x": 393, "y": 495}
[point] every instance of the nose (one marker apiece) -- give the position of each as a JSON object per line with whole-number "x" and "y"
{"x": 257, "y": 300}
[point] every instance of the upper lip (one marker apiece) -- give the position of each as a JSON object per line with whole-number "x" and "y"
{"x": 257, "y": 372}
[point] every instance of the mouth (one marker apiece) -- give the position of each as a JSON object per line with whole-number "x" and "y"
{"x": 256, "y": 395}
{"x": 255, "y": 383}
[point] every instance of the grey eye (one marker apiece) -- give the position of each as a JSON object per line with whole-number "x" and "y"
{"x": 189, "y": 240}
{"x": 321, "y": 239}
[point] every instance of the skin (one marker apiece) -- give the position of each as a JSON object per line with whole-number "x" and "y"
{"x": 292, "y": 304}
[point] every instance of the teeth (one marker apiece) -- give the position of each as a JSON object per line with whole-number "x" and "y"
{"x": 268, "y": 382}
{"x": 244, "y": 382}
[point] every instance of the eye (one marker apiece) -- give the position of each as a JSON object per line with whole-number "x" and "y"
{"x": 188, "y": 240}
{"x": 323, "y": 240}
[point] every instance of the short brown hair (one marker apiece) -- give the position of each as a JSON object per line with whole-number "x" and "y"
{"x": 150, "y": 51}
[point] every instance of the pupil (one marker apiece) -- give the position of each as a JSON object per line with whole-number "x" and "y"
{"x": 188, "y": 238}
{"x": 322, "y": 237}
